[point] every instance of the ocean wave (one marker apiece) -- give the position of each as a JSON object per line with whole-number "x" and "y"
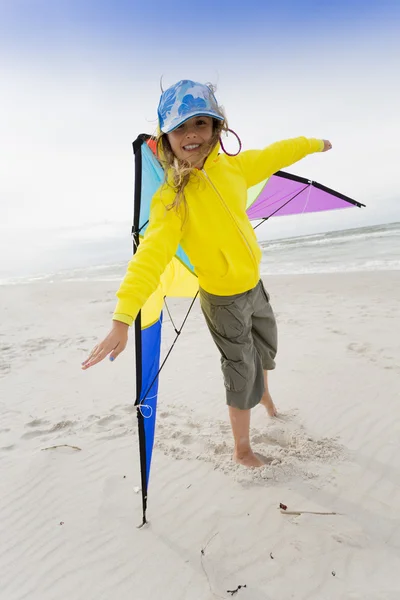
{"x": 108, "y": 272}
{"x": 371, "y": 265}
{"x": 326, "y": 239}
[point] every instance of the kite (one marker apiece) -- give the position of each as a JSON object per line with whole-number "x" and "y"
{"x": 280, "y": 194}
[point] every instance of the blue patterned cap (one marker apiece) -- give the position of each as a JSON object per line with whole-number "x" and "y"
{"x": 184, "y": 100}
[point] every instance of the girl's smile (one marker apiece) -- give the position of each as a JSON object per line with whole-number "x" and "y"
{"x": 190, "y": 141}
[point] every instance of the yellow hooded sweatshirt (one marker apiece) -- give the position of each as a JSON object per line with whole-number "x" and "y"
{"x": 216, "y": 234}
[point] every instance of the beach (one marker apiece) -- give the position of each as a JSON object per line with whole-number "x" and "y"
{"x": 70, "y": 498}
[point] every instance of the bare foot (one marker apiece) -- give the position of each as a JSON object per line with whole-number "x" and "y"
{"x": 267, "y": 401}
{"x": 247, "y": 459}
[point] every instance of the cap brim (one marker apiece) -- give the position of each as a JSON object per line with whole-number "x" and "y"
{"x": 168, "y": 127}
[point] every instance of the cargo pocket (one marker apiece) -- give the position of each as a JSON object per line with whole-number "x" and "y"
{"x": 227, "y": 320}
{"x": 235, "y": 374}
{"x": 266, "y": 295}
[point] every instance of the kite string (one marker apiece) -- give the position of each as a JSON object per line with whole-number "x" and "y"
{"x": 149, "y": 408}
{"x": 170, "y": 316}
{"x": 178, "y": 332}
{"x": 308, "y": 197}
{"x": 135, "y": 232}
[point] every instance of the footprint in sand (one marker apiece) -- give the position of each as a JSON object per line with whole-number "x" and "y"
{"x": 225, "y": 428}
{"x": 184, "y": 438}
{"x": 36, "y": 344}
{"x": 111, "y": 426}
{"x": 104, "y": 421}
{"x": 271, "y": 439}
{"x": 7, "y": 354}
{"x": 39, "y": 428}
{"x": 5, "y": 368}
{"x": 337, "y": 331}
{"x": 359, "y": 348}
{"x": 37, "y": 423}
{"x": 5, "y": 348}
{"x": 8, "y": 448}
{"x": 374, "y": 355}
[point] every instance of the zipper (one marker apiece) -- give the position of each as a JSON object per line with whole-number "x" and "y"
{"x": 230, "y": 214}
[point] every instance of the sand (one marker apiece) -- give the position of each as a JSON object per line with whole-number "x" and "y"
{"x": 70, "y": 501}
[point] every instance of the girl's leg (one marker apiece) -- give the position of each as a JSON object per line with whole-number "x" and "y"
{"x": 229, "y": 320}
{"x": 240, "y": 422}
{"x": 266, "y": 400}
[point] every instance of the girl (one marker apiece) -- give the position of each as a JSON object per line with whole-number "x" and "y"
{"x": 202, "y": 207}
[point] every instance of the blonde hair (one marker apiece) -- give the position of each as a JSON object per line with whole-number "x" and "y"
{"x": 177, "y": 171}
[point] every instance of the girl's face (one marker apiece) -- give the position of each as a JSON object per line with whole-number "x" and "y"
{"x": 190, "y": 140}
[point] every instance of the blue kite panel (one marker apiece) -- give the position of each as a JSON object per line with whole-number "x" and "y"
{"x": 151, "y": 341}
{"x": 152, "y": 178}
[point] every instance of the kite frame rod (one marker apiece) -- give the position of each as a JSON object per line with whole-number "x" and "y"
{"x": 283, "y": 206}
{"x": 138, "y": 330}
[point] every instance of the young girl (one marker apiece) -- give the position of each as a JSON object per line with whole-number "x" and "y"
{"x": 202, "y": 207}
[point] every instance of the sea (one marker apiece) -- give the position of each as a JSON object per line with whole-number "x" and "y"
{"x": 373, "y": 248}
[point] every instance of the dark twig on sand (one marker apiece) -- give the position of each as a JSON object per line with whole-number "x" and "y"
{"x": 233, "y": 592}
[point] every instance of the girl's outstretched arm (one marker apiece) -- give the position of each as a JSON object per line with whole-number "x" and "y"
{"x": 257, "y": 165}
{"x": 155, "y": 252}
{"x": 143, "y": 275}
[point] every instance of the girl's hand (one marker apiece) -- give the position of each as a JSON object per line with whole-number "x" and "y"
{"x": 327, "y": 146}
{"x": 113, "y": 344}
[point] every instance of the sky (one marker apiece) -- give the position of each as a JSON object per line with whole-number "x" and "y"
{"x": 79, "y": 80}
